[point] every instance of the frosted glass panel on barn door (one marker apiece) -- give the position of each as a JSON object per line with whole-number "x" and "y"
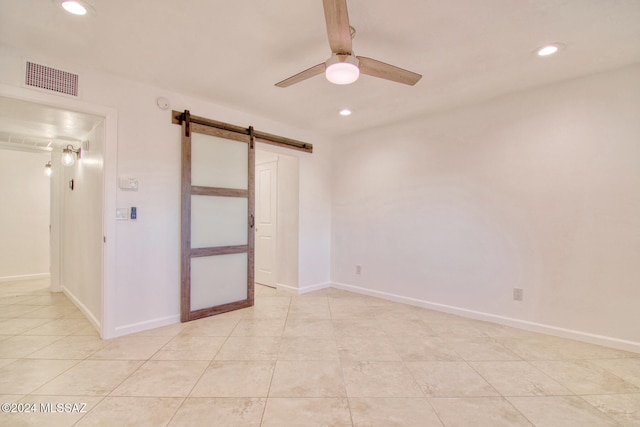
{"x": 217, "y": 220}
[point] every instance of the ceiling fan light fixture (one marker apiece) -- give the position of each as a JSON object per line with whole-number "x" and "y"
{"x": 342, "y": 69}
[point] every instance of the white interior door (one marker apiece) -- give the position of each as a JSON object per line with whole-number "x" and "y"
{"x": 266, "y": 211}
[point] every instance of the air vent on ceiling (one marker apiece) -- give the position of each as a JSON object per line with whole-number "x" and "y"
{"x": 43, "y": 77}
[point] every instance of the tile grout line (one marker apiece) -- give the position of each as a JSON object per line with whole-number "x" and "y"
{"x": 275, "y": 365}
{"x": 340, "y": 361}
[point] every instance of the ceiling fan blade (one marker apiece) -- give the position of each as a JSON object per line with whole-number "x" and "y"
{"x": 304, "y": 75}
{"x": 376, "y": 68}
{"x": 338, "y": 30}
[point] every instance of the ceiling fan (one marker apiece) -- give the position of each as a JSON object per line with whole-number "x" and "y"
{"x": 343, "y": 67}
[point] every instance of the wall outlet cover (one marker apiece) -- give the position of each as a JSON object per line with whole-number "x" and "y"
{"x": 517, "y": 294}
{"x": 129, "y": 184}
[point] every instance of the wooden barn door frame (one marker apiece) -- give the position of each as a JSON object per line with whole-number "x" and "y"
{"x": 249, "y": 136}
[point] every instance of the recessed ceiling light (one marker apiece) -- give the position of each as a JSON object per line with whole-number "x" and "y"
{"x": 549, "y": 49}
{"x": 76, "y": 7}
{"x": 345, "y": 112}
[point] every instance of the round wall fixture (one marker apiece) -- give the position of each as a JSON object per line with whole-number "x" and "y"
{"x": 163, "y": 103}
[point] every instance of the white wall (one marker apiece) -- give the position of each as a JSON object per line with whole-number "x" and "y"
{"x": 144, "y": 291}
{"x": 315, "y": 219}
{"x": 24, "y": 215}
{"x": 288, "y": 220}
{"x": 82, "y": 233}
{"x": 56, "y": 194}
{"x": 538, "y": 190}
{"x": 148, "y": 250}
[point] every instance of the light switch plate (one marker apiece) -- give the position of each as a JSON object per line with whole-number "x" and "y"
{"x": 122, "y": 214}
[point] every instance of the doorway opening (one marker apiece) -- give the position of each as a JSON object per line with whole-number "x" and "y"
{"x": 277, "y": 201}
{"x": 67, "y": 237}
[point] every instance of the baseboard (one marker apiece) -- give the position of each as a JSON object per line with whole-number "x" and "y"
{"x": 313, "y": 288}
{"x": 132, "y": 328}
{"x": 88, "y": 314}
{"x": 507, "y": 321}
{"x": 25, "y": 277}
{"x": 288, "y": 288}
{"x": 304, "y": 290}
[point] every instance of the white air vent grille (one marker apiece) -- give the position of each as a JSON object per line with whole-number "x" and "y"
{"x": 48, "y": 78}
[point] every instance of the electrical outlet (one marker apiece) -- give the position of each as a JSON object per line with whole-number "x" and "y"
{"x": 128, "y": 184}
{"x": 358, "y": 269}
{"x": 517, "y": 294}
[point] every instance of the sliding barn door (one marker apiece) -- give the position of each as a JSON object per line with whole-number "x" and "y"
{"x": 217, "y": 220}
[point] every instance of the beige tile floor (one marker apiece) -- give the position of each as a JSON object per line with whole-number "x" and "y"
{"x": 329, "y": 358}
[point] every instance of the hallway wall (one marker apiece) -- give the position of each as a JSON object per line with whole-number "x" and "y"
{"x": 82, "y": 234}
{"x": 24, "y": 215}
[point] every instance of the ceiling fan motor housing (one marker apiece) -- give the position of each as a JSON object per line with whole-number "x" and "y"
{"x": 342, "y": 69}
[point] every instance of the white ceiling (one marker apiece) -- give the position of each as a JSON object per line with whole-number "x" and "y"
{"x": 25, "y": 125}
{"x": 233, "y": 52}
